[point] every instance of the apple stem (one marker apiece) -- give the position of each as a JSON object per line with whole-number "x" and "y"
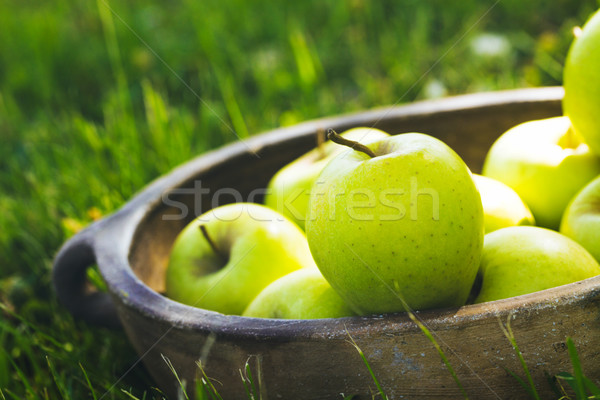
{"x": 211, "y": 243}
{"x": 354, "y": 145}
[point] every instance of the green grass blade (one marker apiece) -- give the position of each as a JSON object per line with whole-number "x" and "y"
{"x": 577, "y": 383}
{"x": 366, "y": 362}
{"x": 22, "y": 377}
{"x": 253, "y": 386}
{"x": 246, "y": 389}
{"x": 244, "y": 377}
{"x": 591, "y": 387}
{"x": 226, "y": 86}
{"x": 12, "y": 395}
{"x": 94, "y": 278}
{"x": 57, "y": 380}
{"x": 429, "y": 336}
{"x": 31, "y": 325}
{"x": 206, "y": 384}
{"x": 172, "y": 368}
{"x": 112, "y": 45}
{"x": 87, "y": 379}
{"x": 305, "y": 62}
{"x": 4, "y": 363}
{"x": 128, "y": 394}
{"x": 507, "y": 330}
{"x": 396, "y": 291}
{"x": 203, "y": 392}
{"x": 248, "y": 381}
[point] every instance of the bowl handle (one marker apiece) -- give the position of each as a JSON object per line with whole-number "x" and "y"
{"x": 71, "y": 284}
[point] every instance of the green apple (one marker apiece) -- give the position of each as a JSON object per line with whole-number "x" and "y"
{"x": 302, "y": 294}
{"x": 546, "y": 163}
{"x": 502, "y": 206}
{"x": 225, "y": 257}
{"x": 525, "y": 259}
{"x": 582, "y": 84}
{"x": 581, "y": 220}
{"x": 397, "y": 224}
{"x": 289, "y": 190}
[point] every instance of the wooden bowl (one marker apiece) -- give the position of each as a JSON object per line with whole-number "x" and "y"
{"x": 313, "y": 359}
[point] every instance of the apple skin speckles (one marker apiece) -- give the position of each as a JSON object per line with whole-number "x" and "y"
{"x": 442, "y": 223}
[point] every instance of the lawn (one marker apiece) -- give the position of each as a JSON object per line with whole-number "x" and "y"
{"x": 99, "y": 98}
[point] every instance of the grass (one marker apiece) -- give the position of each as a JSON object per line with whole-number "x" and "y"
{"x": 529, "y": 386}
{"x": 582, "y": 386}
{"x": 99, "y": 98}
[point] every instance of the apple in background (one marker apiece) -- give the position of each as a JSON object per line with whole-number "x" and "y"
{"x": 302, "y": 294}
{"x": 546, "y": 163}
{"x": 582, "y": 84}
{"x": 288, "y": 191}
{"x": 581, "y": 221}
{"x": 225, "y": 257}
{"x": 397, "y": 223}
{"x": 525, "y": 259}
{"x": 502, "y": 206}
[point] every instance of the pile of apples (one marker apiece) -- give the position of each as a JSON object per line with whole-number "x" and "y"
{"x": 369, "y": 223}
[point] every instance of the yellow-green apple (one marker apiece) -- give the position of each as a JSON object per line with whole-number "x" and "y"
{"x": 225, "y": 257}
{"x": 581, "y": 220}
{"x": 502, "y": 206}
{"x": 525, "y": 259}
{"x": 581, "y": 82}
{"x": 289, "y": 190}
{"x": 397, "y": 224}
{"x": 546, "y": 163}
{"x": 302, "y": 294}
